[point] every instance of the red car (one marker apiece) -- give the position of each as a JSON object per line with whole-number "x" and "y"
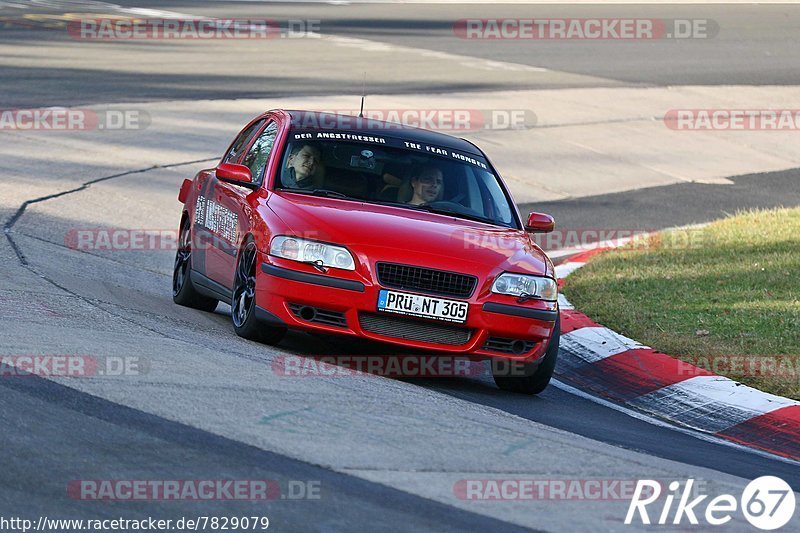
{"x": 337, "y": 224}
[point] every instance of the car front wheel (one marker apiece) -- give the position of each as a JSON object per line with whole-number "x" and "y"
{"x": 534, "y": 377}
{"x": 243, "y": 301}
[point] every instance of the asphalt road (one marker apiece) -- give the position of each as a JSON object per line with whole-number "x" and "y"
{"x": 682, "y": 204}
{"x": 384, "y": 451}
{"x": 78, "y": 436}
{"x": 755, "y": 45}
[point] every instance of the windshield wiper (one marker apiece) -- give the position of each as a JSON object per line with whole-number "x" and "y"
{"x": 524, "y": 297}
{"x": 328, "y": 193}
{"x": 453, "y": 212}
{"x": 318, "y": 264}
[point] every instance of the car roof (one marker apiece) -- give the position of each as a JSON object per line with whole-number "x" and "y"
{"x": 305, "y": 120}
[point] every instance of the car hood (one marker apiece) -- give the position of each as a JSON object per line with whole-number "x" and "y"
{"x": 377, "y": 232}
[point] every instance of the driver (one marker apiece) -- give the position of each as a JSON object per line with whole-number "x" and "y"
{"x": 304, "y": 161}
{"x": 427, "y": 184}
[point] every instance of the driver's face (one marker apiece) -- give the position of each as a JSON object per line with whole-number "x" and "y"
{"x": 304, "y": 162}
{"x": 428, "y": 185}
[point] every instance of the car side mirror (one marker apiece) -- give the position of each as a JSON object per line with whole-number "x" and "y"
{"x": 540, "y": 223}
{"x": 237, "y": 174}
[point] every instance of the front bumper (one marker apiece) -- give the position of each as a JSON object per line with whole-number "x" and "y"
{"x": 495, "y": 326}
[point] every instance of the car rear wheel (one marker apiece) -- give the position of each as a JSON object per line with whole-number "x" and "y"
{"x": 243, "y": 301}
{"x": 535, "y": 376}
{"x": 183, "y": 291}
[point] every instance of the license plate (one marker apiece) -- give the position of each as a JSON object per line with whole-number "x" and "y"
{"x": 423, "y": 306}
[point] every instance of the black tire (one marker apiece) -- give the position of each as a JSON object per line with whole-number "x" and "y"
{"x": 243, "y": 300}
{"x": 536, "y": 376}
{"x": 183, "y": 291}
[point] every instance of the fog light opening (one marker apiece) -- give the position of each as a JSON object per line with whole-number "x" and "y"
{"x": 308, "y": 313}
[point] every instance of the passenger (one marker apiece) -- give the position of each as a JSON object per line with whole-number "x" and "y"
{"x": 427, "y": 184}
{"x": 303, "y": 163}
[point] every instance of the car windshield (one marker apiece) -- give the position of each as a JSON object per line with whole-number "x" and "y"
{"x": 396, "y": 172}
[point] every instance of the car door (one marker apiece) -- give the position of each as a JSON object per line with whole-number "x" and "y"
{"x": 235, "y": 210}
{"x": 209, "y": 217}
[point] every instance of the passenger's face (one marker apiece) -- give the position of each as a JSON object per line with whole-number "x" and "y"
{"x": 304, "y": 162}
{"x": 427, "y": 185}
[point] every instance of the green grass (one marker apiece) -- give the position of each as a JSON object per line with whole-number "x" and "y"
{"x": 731, "y": 288}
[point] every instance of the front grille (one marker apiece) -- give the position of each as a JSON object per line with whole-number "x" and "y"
{"x": 510, "y": 346}
{"x": 416, "y": 330}
{"x": 426, "y": 280}
{"x": 320, "y": 316}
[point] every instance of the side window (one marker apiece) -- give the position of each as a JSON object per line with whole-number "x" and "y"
{"x": 256, "y": 159}
{"x": 499, "y": 203}
{"x": 235, "y": 153}
{"x": 473, "y": 200}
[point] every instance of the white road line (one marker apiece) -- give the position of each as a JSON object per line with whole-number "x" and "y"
{"x": 371, "y": 46}
{"x": 466, "y": 61}
{"x": 594, "y": 344}
{"x": 735, "y": 394}
{"x": 536, "y": 2}
{"x": 564, "y": 304}
{"x": 157, "y": 13}
{"x": 710, "y": 403}
{"x": 667, "y": 425}
{"x": 618, "y": 243}
{"x": 565, "y": 269}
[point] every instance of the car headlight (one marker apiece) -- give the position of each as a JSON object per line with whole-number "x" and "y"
{"x": 307, "y": 251}
{"x": 521, "y": 285}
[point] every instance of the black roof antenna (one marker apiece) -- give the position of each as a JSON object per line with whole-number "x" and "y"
{"x": 363, "y": 95}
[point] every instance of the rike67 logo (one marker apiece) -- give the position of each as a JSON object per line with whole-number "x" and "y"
{"x": 767, "y": 502}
